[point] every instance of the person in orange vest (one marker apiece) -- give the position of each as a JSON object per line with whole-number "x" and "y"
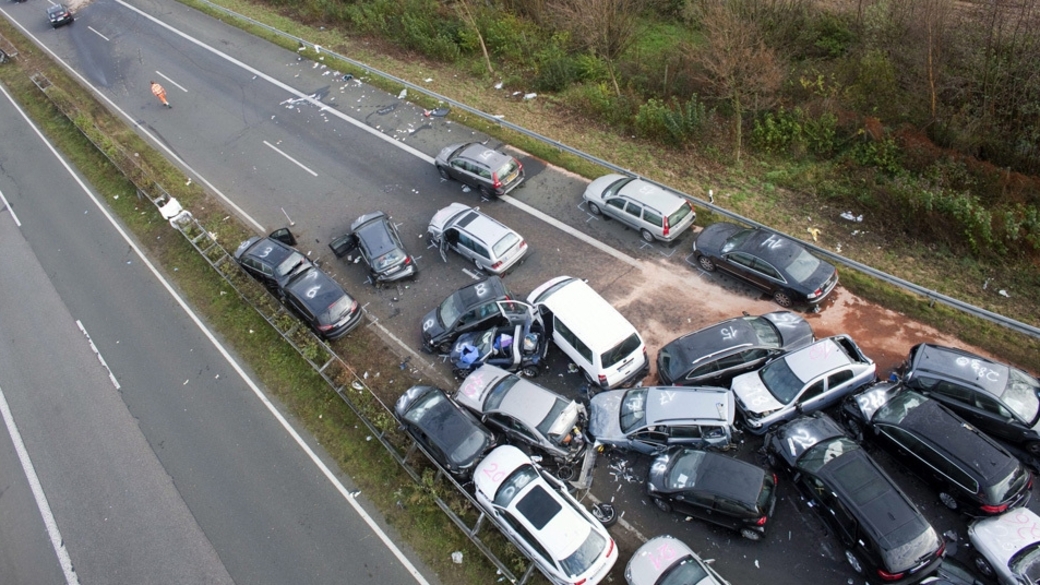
{"x": 160, "y": 93}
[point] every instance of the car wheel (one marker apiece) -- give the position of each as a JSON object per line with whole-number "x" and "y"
{"x": 783, "y": 299}
{"x": 948, "y": 500}
{"x": 594, "y": 209}
{"x": 486, "y": 193}
{"x": 751, "y": 534}
{"x": 662, "y": 505}
{"x": 1033, "y": 447}
{"x": 530, "y": 371}
{"x": 444, "y": 347}
{"x": 647, "y": 236}
{"x": 444, "y": 172}
{"x": 706, "y": 263}
{"x": 605, "y": 513}
{"x": 855, "y": 429}
{"x": 984, "y": 568}
{"x": 566, "y": 472}
{"x": 854, "y": 562}
{"x": 459, "y": 373}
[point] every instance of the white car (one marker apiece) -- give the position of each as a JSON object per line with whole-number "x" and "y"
{"x": 537, "y": 514}
{"x": 666, "y": 560}
{"x": 1008, "y": 546}
{"x": 479, "y": 238}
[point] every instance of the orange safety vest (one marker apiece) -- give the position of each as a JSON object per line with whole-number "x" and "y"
{"x": 158, "y": 91}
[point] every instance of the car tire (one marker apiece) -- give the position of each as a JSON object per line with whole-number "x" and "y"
{"x": 530, "y": 371}
{"x": 486, "y": 193}
{"x": 662, "y": 505}
{"x": 647, "y": 236}
{"x": 948, "y": 500}
{"x": 444, "y": 347}
{"x": 854, "y": 562}
{"x": 594, "y": 209}
{"x": 782, "y": 298}
{"x": 706, "y": 263}
{"x": 605, "y": 513}
{"x": 459, "y": 373}
{"x": 855, "y": 429}
{"x": 984, "y": 568}
{"x": 444, "y": 173}
{"x": 566, "y": 472}
{"x": 752, "y": 535}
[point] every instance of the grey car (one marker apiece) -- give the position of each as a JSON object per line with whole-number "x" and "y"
{"x": 657, "y": 214}
{"x": 527, "y": 415}
{"x": 1008, "y": 546}
{"x": 651, "y": 419}
{"x": 489, "y": 171}
{"x": 490, "y": 245}
{"x": 59, "y": 14}
{"x": 802, "y": 381}
{"x": 666, "y": 560}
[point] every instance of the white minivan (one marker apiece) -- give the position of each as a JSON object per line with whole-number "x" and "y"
{"x": 591, "y": 332}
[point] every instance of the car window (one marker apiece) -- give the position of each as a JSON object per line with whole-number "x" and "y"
{"x": 954, "y": 391}
{"x": 480, "y": 250}
{"x": 781, "y": 381}
{"x": 504, "y": 244}
{"x": 702, "y": 370}
{"x": 685, "y": 571}
{"x": 990, "y": 405}
{"x": 686, "y": 432}
{"x": 513, "y": 485}
{"x": 803, "y": 266}
{"x": 288, "y": 265}
{"x": 684, "y": 472}
{"x": 617, "y": 203}
{"x": 838, "y": 378}
{"x": 654, "y": 437}
{"x": 653, "y": 218}
{"x": 736, "y": 240}
{"x": 634, "y": 209}
{"x": 812, "y": 391}
{"x": 753, "y": 355}
{"x": 620, "y": 351}
{"x": 732, "y": 508}
{"x": 633, "y": 409}
{"x": 580, "y": 560}
{"x": 572, "y": 340}
{"x": 679, "y": 215}
{"x": 507, "y": 168}
{"x": 564, "y": 332}
{"x": 460, "y": 164}
{"x": 1021, "y": 395}
{"x": 741, "y": 259}
{"x": 731, "y": 361}
{"x": 767, "y": 269}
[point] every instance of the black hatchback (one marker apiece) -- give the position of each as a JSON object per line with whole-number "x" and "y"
{"x": 885, "y": 537}
{"x": 59, "y": 14}
{"x": 778, "y": 265}
{"x": 322, "y": 303}
{"x": 713, "y": 356}
{"x": 471, "y": 308}
{"x": 971, "y": 471}
{"x": 449, "y": 434}
{"x": 376, "y": 239}
{"x": 713, "y": 487}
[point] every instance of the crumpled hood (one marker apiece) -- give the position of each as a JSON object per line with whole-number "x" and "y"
{"x": 752, "y": 395}
{"x": 605, "y": 416}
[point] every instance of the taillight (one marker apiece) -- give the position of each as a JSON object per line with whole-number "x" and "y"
{"x": 407, "y": 259}
{"x": 761, "y": 521}
{"x": 666, "y": 226}
{"x": 495, "y": 182}
{"x": 496, "y": 265}
{"x": 582, "y": 582}
{"x": 603, "y": 380}
{"x": 523, "y": 244}
{"x": 994, "y": 509}
{"x": 610, "y": 550}
{"x": 815, "y": 293}
{"x": 886, "y": 576}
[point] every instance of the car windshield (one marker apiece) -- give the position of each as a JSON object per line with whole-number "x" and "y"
{"x": 1021, "y": 395}
{"x": 680, "y": 214}
{"x": 581, "y": 559}
{"x": 736, "y": 240}
{"x": 504, "y": 244}
{"x": 898, "y": 407}
{"x": 514, "y": 484}
{"x": 498, "y": 393}
{"x": 1026, "y": 563}
{"x": 448, "y": 312}
{"x": 683, "y": 474}
{"x": 767, "y": 332}
{"x": 620, "y": 351}
{"x": 781, "y": 381}
{"x": 803, "y": 266}
{"x": 290, "y": 263}
{"x": 684, "y": 572}
{"x": 820, "y": 454}
{"x": 633, "y": 409}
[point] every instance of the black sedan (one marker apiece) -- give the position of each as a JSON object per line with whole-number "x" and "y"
{"x": 713, "y": 487}
{"x": 884, "y": 535}
{"x": 322, "y": 303}
{"x": 272, "y": 260}
{"x": 59, "y": 14}
{"x": 471, "y": 308}
{"x": 450, "y": 435}
{"x": 716, "y": 354}
{"x": 376, "y": 239}
{"x": 778, "y": 265}
{"x": 971, "y": 471}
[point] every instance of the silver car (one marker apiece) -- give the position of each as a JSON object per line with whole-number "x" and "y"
{"x": 666, "y": 560}
{"x": 1008, "y": 546}
{"x": 655, "y": 213}
{"x": 491, "y": 246}
{"x": 528, "y": 415}
{"x": 802, "y": 381}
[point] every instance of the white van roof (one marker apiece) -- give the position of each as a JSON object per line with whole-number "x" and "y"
{"x": 595, "y": 321}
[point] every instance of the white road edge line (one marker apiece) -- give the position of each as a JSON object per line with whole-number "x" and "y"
{"x": 298, "y": 163}
{"x": 95, "y": 31}
{"x": 8, "y": 207}
{"x": 97, "y": 353}
{"x": 179, "y": 86}
{"x": 329, "y": 475}
{"x": 37, "y": 491}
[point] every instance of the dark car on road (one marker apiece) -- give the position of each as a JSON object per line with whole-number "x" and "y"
{"x": 713, "y": 356}
{"x": 322, "y": 303}
{"x": 713, "y": 487}
{"x": 272, "y": 260}
{"x": 59, "y": 14}
{"x": 471, "y": 308}
{"x": 778, "y": 265}
{"x": 1001, "y": 400}
{"x": 376, "y": 239}
{"x": 883, "y": 534}
{"x": 450, "y": 435}
{"x": 489, "y": 171}
{"x": 972, "y": 472}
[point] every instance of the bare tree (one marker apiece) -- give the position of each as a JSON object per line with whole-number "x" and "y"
{"x": 607, "y": 28}
{"x": 736, "y": 62}
{"x": 467, "y": 16}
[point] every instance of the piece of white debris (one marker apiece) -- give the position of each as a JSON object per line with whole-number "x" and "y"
{"x": 403, "y": 94}
{"x": 498, "y": 85}
{"x": 456, "y": 557}
{"x": 849, "y": 216}
{"x": 1003, "y": 293}
{"x": 814, "y": 232}
{"x": 756, "y": 564}
{"x": 427, "y": 80}
{"x": 530, "y": 96}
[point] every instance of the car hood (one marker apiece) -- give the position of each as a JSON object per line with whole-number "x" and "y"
{"x": 605, "y": 416}
{"x": 445, "y": 216}
{"x": 712, "y": 237}
{"x": 998, "y": 538}
{"x": 753, "y": 395}
{"x": 596, "y": 188}
{"x": 431, "y": 326}
{"x": 795, "y": 331}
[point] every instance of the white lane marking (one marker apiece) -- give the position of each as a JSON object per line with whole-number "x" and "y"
{"x": 136, "y": 124}
{"x": 172, "y": 82}
{"x": 569, "y": 230}
{"x": 37, "y": 491}
{"x": 329, "y": 475}
{"x": 298, "y": 163}
{"x": 8, "y": 207}
{"x": 95, "y": 31}
{"x": 472, "y": 275}
{"x": 97, "y": 353}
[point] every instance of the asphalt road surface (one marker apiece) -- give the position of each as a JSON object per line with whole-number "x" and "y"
{"x": 282, "y": 137}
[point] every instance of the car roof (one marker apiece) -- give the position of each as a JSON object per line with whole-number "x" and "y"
{"x": 482, "y": 226}
{"x": 772, "y": 247}
{"x": 962, "y": 365}
{"x": 674, "y": 403}
{"x": 592, "y": 315}
{"x": 468, "y": 297}
{"x": 801, "y": 434}
{"x": 279, "y": 251}
{"x": 374, "y": 232}
{"x": 481, "y": 154}
{"x": 818, "y": 358}
{"x": 650, "y": 194}
{"x": 325, "y": 290}
{"x": 713, "y": 339}
{"x": 726, "y": 476}
{"x": 528, "y": 402}
{"x": 656, "y": 556}
{"x": 445, "y": 423}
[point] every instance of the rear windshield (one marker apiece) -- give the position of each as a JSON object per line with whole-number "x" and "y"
{"x": 677, "y": 217}
{"x": 581, "y": 559}
{"x": 337, "y": 310}
{"x": 502, "y": 246}
{"x": 684, "y": 572}
{"x": 822, "y": 453}
{"x": 803, "y": 266}
{"x": 633, "y": 409}
{"x": 507, "y": 168}
{"x": 766, "y": 331}
{"x": 620, "y": 351}
{"x": 289, "y": 264}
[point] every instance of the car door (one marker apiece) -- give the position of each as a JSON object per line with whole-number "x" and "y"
{"x": 515, "y": 431}
{"x": 615, "y": 207}
{"x": 741, "y": 265}
{"x": 647, "y": 441}
{"x": 696, "y": 504}
{"x": 962, "y": 401}
{"x": 633, "y": 215}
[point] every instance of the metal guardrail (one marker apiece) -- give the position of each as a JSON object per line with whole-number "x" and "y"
{"x": 1018, "y": 326}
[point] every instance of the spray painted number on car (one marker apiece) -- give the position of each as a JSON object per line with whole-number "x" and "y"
{"x": 426, "y": 326}
{"x": 313, "y": 291}
{"x": 663, "y": 557}
{"x": 802, "y": 438}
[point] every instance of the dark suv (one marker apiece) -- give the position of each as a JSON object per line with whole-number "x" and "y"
{"x": 491, "y": 172}
{"x": 1001, "y": 400}
{"x": 713, "y": 487}
{"x": 972, "y": 472}
{"x": 884, "y": 535}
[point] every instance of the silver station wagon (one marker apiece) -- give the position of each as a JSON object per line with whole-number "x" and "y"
{"x": 490, "y": 245}
{"x": 655, "y": 213}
